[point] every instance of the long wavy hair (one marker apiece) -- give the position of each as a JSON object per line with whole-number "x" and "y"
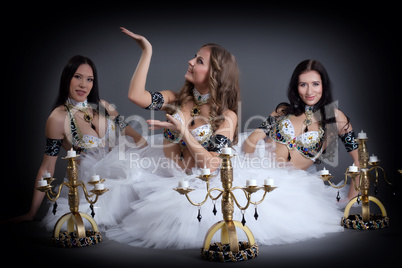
{"x": 223, "y": 85}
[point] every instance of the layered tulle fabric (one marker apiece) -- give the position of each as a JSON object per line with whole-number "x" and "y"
{"x": 142, "y": 209}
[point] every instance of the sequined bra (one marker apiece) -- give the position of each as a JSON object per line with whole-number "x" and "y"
{"x": 309, "y": 144}
{"x": 202, "y": 133}
{"x": 82, "y": 142}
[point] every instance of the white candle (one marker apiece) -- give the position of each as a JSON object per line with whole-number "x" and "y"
{"x": 183, "y": 184}
{"x": 95, "y": 178}
{"x": 324, "y": 171}
{"x": 42, "y": 182}
{"x": 46, "y": 175}
{"x": 362, "y": 135}
{"x": 251, "y": 182}
{"x": 71, "y": 153}
{"x": 353, "y": 168}
{"x": 373, "y": 158}
{"x": 99, "y": 186}
{"x": 205, "y": 171}
{"x": 269, "y": 182}
{"x": 227, "y": 150}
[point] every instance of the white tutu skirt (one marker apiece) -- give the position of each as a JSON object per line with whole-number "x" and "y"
{"x": 142, "y": 209}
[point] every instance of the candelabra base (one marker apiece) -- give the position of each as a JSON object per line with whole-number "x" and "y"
{"x": 366, "y": 220}
{"x": 355, "y": 221}
{"x": 70, "y": 240}
{"x": 75, "y": 226}
{"x": 221, "y": 252}
{"x": 229, "y": 249}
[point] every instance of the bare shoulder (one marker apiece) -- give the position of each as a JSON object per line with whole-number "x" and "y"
{"x": 230, "y": 114}
{"x": 57, "y": 116}
{"x": 55, "y": 123}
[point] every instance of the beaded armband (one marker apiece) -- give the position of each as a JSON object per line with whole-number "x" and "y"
{"x": 217, "y": 142}
{"x": 120, "y": 122}
{"x": 268, "y": 123}
{"x": 157, "y": 101}
{"x": 53, "y": 146}
{"x": 349, "y": 141}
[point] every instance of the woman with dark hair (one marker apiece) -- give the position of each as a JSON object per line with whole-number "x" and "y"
{"x": 307, "y": 127}
{"x": 80, "y": 120}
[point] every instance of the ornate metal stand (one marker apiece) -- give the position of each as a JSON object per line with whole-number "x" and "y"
{"x": 74, "y": 218}
{"x": 365, "y": 220}
{"x": 235, "y": 250}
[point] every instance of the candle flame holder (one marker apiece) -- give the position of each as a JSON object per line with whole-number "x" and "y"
{"x": 76, "y": 235}
{"x": 229, "y": 248}
{"x": 365, "y": 220}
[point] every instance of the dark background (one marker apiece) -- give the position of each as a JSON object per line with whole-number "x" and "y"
{"x": 359, "y": 46}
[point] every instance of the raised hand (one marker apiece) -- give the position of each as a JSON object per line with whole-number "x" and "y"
{"x": 144, "y": 44}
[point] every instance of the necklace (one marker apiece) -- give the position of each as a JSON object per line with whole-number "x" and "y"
{"x": 199, "y": 100}
{"x": 83, "y": 107}
{"x": 309, "y": 114}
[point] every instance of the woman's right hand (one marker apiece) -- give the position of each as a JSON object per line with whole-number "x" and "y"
{"x": 144, "y": 44}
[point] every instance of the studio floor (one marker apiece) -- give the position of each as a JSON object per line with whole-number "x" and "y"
{"x": 350, "y": 248}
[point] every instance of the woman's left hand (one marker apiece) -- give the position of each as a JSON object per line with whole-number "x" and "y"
{"x": 172, "y": 124}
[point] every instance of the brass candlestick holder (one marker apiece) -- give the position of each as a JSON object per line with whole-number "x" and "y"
{"x": 76, "y": 234}
{"x": 229, "y": 248}
{"x": 365, "y": 220}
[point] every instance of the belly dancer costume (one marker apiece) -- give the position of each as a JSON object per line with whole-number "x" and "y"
{"x": 94, "y": 151}
{"x": 301, "y": 208}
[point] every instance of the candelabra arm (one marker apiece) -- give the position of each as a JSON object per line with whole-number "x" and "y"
{"x": 262, "y": 199}
{"x": 248, "y": 196}
{"x": 56, "y": 195}
{"x": 87, "y": 196}
{"x": 344, "y": 182}
{"x": 215, "y": 189}
{"x": 197, "y": 204}
{"x": 206, "y": 197}
{"x": 376, "y": 174}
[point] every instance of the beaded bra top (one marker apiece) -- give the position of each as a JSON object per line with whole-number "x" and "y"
{"x": 83, "y": 142}
{"x": 202, "y": 133}
{"x": 309, "y": 144}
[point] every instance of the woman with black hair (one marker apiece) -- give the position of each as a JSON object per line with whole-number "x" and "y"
{"x": 308, "y": 127}
{"x": 79, "y": 120}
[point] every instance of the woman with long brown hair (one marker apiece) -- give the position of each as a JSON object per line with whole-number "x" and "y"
{"x": 201, "y": 120}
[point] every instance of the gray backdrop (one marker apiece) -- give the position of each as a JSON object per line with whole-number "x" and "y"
{"x": 358, "y": 50}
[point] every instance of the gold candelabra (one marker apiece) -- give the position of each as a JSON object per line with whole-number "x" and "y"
{"x": 74, "y": 218}
{"x": 228, "y": 225}
{"x": 365, "y": 220}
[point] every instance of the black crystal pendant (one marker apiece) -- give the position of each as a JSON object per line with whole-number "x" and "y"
{"x": 243, "y": 220}
{"x": 54, "y": 208}
{"x": 255, "y": 213}
{"x": 214, "y": 210}
{"x": 338, "y": 197}
{"x": 192, "y": 122}
{"x": 92, "y": 210}
{"x": 375, "y": 189}
{"x": 358, "y": 199}
{"x": 199, "y": 217}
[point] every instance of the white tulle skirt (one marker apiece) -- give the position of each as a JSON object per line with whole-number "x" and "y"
{"x": 142, "y": 209}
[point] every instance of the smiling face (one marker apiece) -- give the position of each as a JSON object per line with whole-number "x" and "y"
{"x": 81, "y": 83}
{"x": 310, "y": 87}
{"x": 198, "y": 70}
